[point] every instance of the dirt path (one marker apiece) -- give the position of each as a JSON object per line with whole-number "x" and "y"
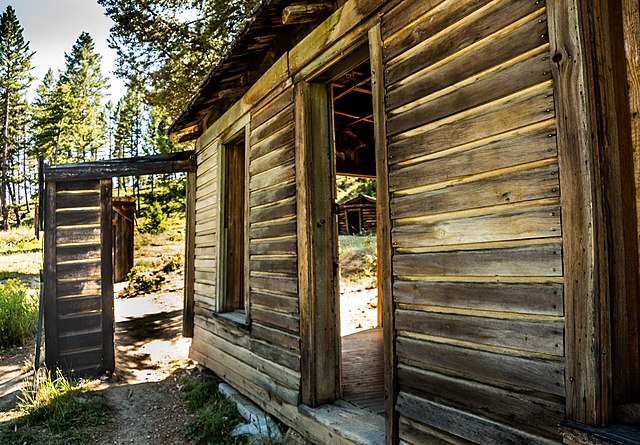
{"x": 151, "y": 355}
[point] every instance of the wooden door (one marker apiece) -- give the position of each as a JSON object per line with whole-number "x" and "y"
{"x": 78, "y": 277}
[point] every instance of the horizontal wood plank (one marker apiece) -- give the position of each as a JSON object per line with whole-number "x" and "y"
{"x": 501, "y": 223}
{"x": 287, "y": 284}
{"x": 521, "y": 146}
{"x": 281, "y": 228}
{"x": 525, "y": 298}
{"x": 526, "y": 373}
{"x": 272, "y": 194}
{"x": 276, "y": 320}
{"x": 543, "y": 336}
{"x": 483, "y": 55}
{"x": 79, "y": 304}
{"x": 77, "y": 199}
{"x": 78, "y": 217}
{"x": 525, "y": 411}
{"x": 468, "y": 426}
{"x": 521, "y": 109}
{"x": 276, "y": 175}
{"x": 84, "y": 269}
{"x": 288, "y": 265}
{"x": 74, "y": 252}
{"x": 466, "y": 28}
{"x": 502, "y": 81}
{"x": 276, "y": 210}
{"x": 537, "y": 260}
{"x": 78, "y": 235}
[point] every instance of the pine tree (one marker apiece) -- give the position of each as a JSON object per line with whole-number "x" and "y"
{"x": 46, "y": 117}
{"x": 170, "y": 44}
{"x": 15, "y": 79}
{"x": 82, "y": 85}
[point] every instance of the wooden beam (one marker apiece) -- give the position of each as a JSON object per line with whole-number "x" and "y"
{"x": 189, "y": 257}
{"x": 108, "y": 326}
{"x": 319, "y": 333}
{"x": 142, "y": 165}
{"x": 598, "y": 216}
{"x": 50, "y": 276}
{"x": 305, "y": 12}
{"x": 385, "y": 250}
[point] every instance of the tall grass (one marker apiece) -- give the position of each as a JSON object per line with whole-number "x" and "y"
{"x": 63, "y": 406}
{"x": 18, "y": 314}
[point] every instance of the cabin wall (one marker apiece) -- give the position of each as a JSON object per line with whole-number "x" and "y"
{"x": 475, "y": 218}
{"x": 266, "y": 354}
{"x": 476, "y": 228}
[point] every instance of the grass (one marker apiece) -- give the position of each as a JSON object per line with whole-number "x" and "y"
{"x": 214, "y": 416}
{"x": 358, "y": 258}
{"x": 19, "y": 240}
{"x": 18, "y": 314}
{"x": 60, "y": 411}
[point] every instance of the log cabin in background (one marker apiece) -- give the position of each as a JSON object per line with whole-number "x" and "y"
{"x": 504, "y": 139}
{"x": 357, "y": 215}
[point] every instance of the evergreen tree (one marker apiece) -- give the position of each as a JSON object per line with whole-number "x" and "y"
{"x": 46, "y": 118}
{"x": 171, "y": 44}
{"x": 83, "y": 126}
{"x": 15, "y": 79}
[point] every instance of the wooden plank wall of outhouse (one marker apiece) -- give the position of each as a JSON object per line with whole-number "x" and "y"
{"x": 476, "y": 220}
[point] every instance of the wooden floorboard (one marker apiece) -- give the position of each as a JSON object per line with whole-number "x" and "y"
{"x": 363, "y": 370}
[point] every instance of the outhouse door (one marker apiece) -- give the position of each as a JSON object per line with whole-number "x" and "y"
{"x": 78, "y": 285}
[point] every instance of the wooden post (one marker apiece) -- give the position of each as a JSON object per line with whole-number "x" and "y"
{"x": 189, "y": 257}
{"x": 108, "y": 357}
{"x": 385, "y": 250}
{"x": 319, "y": 333}
{"x": 598, "y": 219}
{"x": 50, "y": 294}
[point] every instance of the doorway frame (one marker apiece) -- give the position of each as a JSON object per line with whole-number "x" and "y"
{"x": 317, "y": 262}
{"x": 104, "y": 172}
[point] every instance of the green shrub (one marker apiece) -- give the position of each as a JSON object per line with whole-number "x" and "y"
{"x": 18, "y": 314}
{"x": 141, "y": 281}
{"x": 156, "y": 220}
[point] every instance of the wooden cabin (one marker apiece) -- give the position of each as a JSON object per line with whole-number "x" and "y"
{"x": 357, "y": 215}
{"x": 504, "y": 137}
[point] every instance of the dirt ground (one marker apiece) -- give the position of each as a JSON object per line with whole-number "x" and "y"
{"x": 151, "y": 354}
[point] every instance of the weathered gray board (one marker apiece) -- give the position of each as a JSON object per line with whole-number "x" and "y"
{"x": 78, "y": 277}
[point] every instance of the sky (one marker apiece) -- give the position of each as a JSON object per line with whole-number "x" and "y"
{"x": 53, "y": 26}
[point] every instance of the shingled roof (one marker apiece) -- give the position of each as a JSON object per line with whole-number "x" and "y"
{"x": 226, "y": 77}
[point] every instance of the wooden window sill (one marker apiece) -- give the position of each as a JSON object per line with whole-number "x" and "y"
{"x": 237, "y": 318}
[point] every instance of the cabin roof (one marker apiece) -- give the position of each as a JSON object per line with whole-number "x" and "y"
{"x": 227, "y": 75}
{"x": 359, "y": 200}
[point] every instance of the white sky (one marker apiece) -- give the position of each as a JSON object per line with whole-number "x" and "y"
{"x": 53, "y": 26}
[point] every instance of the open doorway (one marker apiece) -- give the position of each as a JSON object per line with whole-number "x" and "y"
{"x": 149, "y": 229}
{"x": 361, "y": 336}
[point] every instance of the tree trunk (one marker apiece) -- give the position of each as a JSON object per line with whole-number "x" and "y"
{"x": 26, "y": 179}
{"x": 15, "y": 203}
{"x": 4, "y": 225}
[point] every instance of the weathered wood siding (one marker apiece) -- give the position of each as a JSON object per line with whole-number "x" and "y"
{"x": 263, "y": 356}
{"x": 477, "y": 260}
{"x": 78, "y": 300}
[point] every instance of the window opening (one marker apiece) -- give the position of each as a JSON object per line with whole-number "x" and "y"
{"x": 234, "y": 228}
